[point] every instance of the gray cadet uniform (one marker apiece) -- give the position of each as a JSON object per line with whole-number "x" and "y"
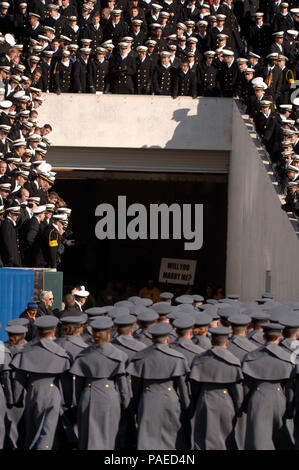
{"x": 268, "y": 373}
{"x": 217, "y": 392}
{"x": 160, "y": 392}
{"x": 101, "y": 390}
{"x": 39, "y": 366}
{"x": 15, "y": 424}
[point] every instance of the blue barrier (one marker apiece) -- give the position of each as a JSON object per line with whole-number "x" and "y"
{"x": 16, "y": 290}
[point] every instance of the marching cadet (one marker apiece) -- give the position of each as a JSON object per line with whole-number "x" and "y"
{"x": 144, "y": 72}
{"x": 101, "y": 388}
{"x": 229, "y": 74}
{"x": 257, "y": 320}
{"x": 287, "y": 80}
{"x": 62, "y": 74}
{"x": 216, "y": 381}
{"x": 154, "y": 56}
{"x": 185, "y": 81}
{"x": 10, "y": 249}
{"x": 160, "y": 391}
{"x": 269, "y": 372}
{"x": 98, "y": 72}
{"x": 207, "y": 76}
{"x": 164, "y": 76}
{"x": 122, "y": 71}
{"x": 39, "y": 366}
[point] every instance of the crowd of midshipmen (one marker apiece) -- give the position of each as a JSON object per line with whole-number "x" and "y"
{"x": 246, "y": 49}
{"x": 176, "y": 374}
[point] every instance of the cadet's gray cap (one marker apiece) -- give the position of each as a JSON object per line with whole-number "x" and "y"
{"x": 16, "y": 329}
{"x": 74, "y": 320}
{"x": 290, "y": 321}
{"x": 220, "y": 331}
{"x": 101, "y": 323}
{"x": 117, "y": 311}
{"x": 160, "y": 329}
{"x": 123, "y": 303}
{"x": 184, "y": 299}
{"x": 96, "y": 311}
{"x": 47, "y": 322}
{"x": 184, "y": 322}
{"x": 134, "y": 299}
{"x": 239, "y": 320}
{"x": 166, "y": 295}
{"x": 18, "y": 321}
{"x": 202, "y": 319}
{"x": 125, "y": 320}
{"x": 162, "y": 308}
{"x": 149, "y": 315}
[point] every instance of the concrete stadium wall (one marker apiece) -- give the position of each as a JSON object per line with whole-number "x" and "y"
{"x": 261, "y": 238}
{"x": 123, "y": 121}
